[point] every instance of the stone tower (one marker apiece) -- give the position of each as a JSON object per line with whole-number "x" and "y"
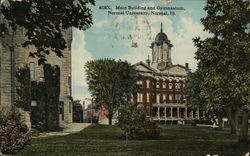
{"x": 13, "y": 57}
{"x": 161, "y": 51}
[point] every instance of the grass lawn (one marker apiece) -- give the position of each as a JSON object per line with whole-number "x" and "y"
{"x": 176, "y": 140}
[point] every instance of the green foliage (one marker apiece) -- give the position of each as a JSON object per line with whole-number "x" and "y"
{"x": 193, "y": 90}
{"x": 45, "y": 22}
{"x": 111, "y": 83}
{"x": 135, "y": 125}
{"x": 24, "y": 88}
{"x": 223, "y": 59}
{"x": 52, "y": 87}
{"x": 77, "y": 111}
{"x": 45, "y": 116}
{"x": 176, "y": 140}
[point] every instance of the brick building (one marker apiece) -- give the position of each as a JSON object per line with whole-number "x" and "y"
{"x": 163, "y": 95}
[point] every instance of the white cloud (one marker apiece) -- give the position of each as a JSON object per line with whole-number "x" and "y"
{"x": 79, "y": 57}
{"x": 99, "y": 24}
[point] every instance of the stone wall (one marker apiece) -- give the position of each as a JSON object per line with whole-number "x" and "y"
{"x": 13, "y": 56}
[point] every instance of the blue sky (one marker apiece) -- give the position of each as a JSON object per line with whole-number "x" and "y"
{"x": 112, "y": 36}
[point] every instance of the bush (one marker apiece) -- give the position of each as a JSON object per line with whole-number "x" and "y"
{"x": 135, "y": 124}
{"x": 11, "y": 138}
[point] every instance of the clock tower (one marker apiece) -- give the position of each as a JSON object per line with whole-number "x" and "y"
{"x": 161, "y": 51}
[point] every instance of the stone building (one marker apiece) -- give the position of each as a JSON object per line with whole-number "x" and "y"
{"x": 13, "y": 56}
{"x": 163, "y": 95}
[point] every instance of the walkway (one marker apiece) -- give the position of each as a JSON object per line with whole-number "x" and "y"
{"x": 68, "y": 128}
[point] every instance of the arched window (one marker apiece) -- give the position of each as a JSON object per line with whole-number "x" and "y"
{"x": 158, "y": 85}
{"x": 164, "y": 85}
{"x": 170, "y": 86}
{"x": 177, "y": 86}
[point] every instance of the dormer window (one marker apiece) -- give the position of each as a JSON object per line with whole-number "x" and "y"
{"x": 170, "y": 86}
{"x": 163, "y": 85}
{"x": 158, "y": 85}
{"x": 177, "y": 86}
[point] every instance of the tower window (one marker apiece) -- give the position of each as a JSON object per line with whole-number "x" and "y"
{"x": 32, "y": 70}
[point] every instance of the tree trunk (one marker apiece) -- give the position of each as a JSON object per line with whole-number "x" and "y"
{"x": 220, "y": 121}
{"x": 232, "y": 120}
{"x": 243, "y": 133}
{"x": 110, "y": 116}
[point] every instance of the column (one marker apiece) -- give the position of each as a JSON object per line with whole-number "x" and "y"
{"x": 178, "y": 112}
{"x": 198, "y": 113}
{"x": 192, "y": 114}
{"x": 159, "y": 113}
{"x": 171, "y": 115}
{"x": 186, "y": 112}
{"x": 165, "y": 114}
{"x": 171, "y": 112}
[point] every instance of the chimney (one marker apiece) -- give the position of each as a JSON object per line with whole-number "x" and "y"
{"x": 186, "y": 66}
{"x": 148, "y": 61}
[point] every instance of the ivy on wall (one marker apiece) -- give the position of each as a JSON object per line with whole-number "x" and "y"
{"x": 44, "y": 116}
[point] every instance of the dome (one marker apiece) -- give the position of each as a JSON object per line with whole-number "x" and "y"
{"x": 161, "y": 37}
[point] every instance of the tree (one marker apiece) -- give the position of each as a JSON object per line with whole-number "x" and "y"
{"x": 77, "y": 111}
{"x": 224, "y": 58}
{"x": 135, "y": 124}
{"x": 111, "y": 83}
{"x": 204, "y": 97}
{"x": 45, "y": 22}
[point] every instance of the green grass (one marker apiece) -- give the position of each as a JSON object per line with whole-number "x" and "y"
{"x": 104, "y": 140}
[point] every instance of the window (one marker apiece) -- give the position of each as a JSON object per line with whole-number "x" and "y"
{"x": 32, "y": 70}
{"x": 148, "y": 97}
{"x": 164, "y": 97}
{"x": 177, "y": 86}
{"x": 178, "y": 98}
{"x": 163, "y": 85}
{"x": 170, "y": 86}
{"x": 170, "y": 97}
{"x": 139, "y": 97}
{"x": 148, "y": 83}
{"x": 139, "y": 82}
{"x": 158, "y": 98}
{"x": 41, "y": 79}
{"x": 184, "y": 99}
{"x": 158, "y": 85}
{"x": 131, "y": 98}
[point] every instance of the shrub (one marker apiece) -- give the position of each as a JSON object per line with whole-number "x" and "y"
{"x": 11, "y": 138}
{"x": 135, "y": 124}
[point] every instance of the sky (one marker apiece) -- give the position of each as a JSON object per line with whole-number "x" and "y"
{"x": 113, "y": 36}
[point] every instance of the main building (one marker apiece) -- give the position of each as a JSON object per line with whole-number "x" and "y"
{"x": 163, "y": 95}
